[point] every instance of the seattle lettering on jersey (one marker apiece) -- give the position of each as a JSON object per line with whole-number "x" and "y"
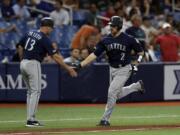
{"x": 35, "y": 35}
{"x": 116, "y": 46}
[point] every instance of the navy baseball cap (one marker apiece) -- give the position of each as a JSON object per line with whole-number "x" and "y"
{"x": 116, "y": 21}
{"x": 47, "y": 21}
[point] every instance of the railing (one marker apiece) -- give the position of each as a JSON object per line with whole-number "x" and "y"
{"x": 174, "y": 6}
{"x": 70, "y": 9}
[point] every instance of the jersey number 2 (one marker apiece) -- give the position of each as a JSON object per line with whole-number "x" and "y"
{"x": 30, "y": 44}
{"x": 122, "y": 56}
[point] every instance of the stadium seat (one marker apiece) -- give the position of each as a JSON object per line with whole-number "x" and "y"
{"x": 63, "y": 35}
{"x": 79, "y": 18}
{"x": 65, "y": 52}
{"x": 11, "y": 39}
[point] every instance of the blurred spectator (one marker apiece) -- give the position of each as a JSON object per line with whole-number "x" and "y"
{"x": 102, "y": 4}
{"x": 45, "y": 5}
{"x": 167, "y": 6}
{"x": 60, "y": 15}
{"x": 92, "y": 15}
{"x": 137, "y": 32}
{"x": 84, "y": 4}
{"x": 21, "y": 10}
{"x": 74, "y": 57}
{"x": 80, "y": 38}
{"x": 126, "y": 22}
{"x": 132, "y": 8}
{"x": 108, "y": 14}
{"x": 84, "y": 54}
{"x": 171, "y": 21}
{"x": 145, "y": 7}
{"x": 134, "y": 11}
{"x": 169, "y": 44}
{"x": 70, "y": 2}
{"x": 157, "y": 6}
{"x": 149, "y": 30}
{"x": 7, "y": 29}
{"x": 119, "y": 4}
{"x": 7, "y": 10}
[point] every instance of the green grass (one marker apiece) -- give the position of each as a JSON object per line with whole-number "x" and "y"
{"x": 151, "y": 132}
{"x": 56, "y": 117}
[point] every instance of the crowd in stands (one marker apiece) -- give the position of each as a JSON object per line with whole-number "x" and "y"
{"x": 80, "y": 24}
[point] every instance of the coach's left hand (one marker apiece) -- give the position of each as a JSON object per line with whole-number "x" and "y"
{"x": 72, "y": 72}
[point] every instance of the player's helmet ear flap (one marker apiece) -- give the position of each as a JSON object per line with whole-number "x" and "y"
{"x": 47, "y": 21}
{"x": 116, "y": 21}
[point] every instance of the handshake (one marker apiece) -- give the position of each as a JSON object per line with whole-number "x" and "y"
{"x": 76, "y": 66}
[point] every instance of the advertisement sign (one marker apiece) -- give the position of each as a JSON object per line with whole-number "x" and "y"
{"x": 12, "y": 87}
{"x": 171, "y": 82}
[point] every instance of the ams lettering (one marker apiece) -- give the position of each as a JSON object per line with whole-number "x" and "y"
{"x": 11, "y": 83}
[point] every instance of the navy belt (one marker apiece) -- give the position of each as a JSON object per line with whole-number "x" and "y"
{"x": 117, "y": 65}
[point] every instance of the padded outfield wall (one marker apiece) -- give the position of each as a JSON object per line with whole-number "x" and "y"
{"x": 162, "y": 82}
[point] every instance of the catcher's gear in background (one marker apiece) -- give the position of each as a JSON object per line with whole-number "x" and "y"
{"x": 116, "y": 21}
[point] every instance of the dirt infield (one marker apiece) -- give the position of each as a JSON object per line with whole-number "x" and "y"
{"x": 94, "y": 129}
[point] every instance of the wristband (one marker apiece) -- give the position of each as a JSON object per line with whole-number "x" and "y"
{"x": 139, "y": 58}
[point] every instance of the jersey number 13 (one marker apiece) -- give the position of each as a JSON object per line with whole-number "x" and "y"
{"x": 30, "y": 44}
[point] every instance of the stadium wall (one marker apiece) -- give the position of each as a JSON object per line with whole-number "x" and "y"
{"x": 162, "y": 82}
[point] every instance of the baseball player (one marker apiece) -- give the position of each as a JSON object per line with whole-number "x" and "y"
{"x": 34, "y": 46}
{"x": 118, "y": 47}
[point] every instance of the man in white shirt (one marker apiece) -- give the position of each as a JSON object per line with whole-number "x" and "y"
{"x": 21, "y": 10}
{"x": 60, "y": 15}
{"x": 74, "y": 56}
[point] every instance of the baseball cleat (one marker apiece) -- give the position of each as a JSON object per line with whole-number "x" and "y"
{"x": 103, "y": 123}
{"x": 142, "y": 89}
{"x": 33, "y": 124}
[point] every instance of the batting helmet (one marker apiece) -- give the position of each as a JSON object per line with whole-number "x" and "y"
{"x": 116, "y": 21}
{"x": 47, "y": 21}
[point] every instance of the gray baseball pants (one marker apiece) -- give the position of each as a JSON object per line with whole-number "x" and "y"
{"x": 118, "y": 78}
{"x": 31, "y": 74}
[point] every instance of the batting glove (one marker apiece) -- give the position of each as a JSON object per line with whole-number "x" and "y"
{"x": 77, "y": 66}
{"x": 134, "y": 69}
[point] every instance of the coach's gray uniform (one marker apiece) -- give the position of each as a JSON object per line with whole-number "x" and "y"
{"x": 31, "y": 73}
{"x": 36, "y": 46}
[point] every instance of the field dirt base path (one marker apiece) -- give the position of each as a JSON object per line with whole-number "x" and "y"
{"x": 94, "y": 130}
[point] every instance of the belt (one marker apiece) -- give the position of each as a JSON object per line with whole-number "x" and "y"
{"x": 117, "y": 65}
{"x": 31, "y": 59}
